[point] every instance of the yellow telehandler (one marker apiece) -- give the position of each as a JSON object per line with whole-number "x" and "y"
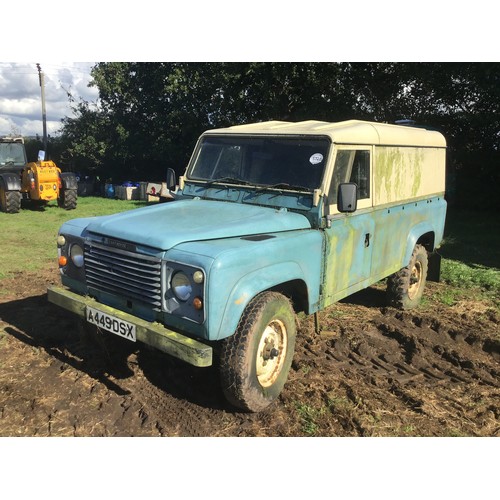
{"x": 40, "y": 181}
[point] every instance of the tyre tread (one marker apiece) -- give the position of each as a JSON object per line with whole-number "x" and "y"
{"x": 233, "y": 353}
{"x": 12, "y": 202}
{"x": 68, "y": 199}
{"x": 398, "y": 283}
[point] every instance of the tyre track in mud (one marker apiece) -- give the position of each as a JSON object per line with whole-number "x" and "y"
{"x": 410, "y": 361}
{"x": 163, "y": 389}
{"x": 163, "y": 394}
{"x": 446, "y": 371}
{"x": 377, "y": 372}
{"x": 405, "y": 347}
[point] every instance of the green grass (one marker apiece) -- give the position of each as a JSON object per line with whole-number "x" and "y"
{"x": 471, "y": 255}
{"x": 308, "y": 416}
{"x": 463, "y": 275}
{"x": 28, "y": 238}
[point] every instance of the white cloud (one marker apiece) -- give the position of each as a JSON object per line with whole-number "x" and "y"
{"x": 20, "y": 95}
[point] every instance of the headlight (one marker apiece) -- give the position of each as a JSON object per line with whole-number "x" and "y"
{"x": 61, "y": 240}
{"x": 181, "y": 286}
{"x": 76, "y": 254}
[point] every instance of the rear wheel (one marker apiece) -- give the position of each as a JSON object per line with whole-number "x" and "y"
{"x": 405, "y": 288}
{"x": 67, "y": 199}
{"x": 255, "y": 361}
{"x": 10, "y": 201}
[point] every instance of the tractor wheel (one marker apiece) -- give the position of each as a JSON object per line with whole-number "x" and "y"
{"x": 10, "y": 201}
{"x": 405, "y": 288}
{"x": 67, "y": 199}
{"x": 255, "y": 361}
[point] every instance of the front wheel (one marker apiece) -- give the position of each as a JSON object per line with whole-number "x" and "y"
{"x": 67, "y": 199}
{"x": 10, "y": 201}
{"x": 405, "y": 288}
{"x": 255, "y": 361}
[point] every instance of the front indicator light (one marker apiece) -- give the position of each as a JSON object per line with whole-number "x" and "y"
{"x": 62, "y": 260}
{"x": 198, "y": 277}
{"x": 198, "y": 303}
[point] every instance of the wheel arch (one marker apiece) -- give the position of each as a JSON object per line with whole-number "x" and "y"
{"x": 422, "y": 234}
{"x": 262, "y": 280}
{"x": 296, "y": 291}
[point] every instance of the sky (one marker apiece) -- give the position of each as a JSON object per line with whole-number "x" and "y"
{"x": 20, "y": 95}
{"x": 388, "y": 32}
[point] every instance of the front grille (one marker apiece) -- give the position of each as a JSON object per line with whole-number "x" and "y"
{"x": 127, "y": 274}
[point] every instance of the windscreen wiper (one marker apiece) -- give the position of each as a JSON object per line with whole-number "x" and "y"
{"x": 232, "y": 180}
{"x": 282, "y": 185}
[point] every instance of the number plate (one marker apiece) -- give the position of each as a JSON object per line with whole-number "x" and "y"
{"x": 111, "y": 324}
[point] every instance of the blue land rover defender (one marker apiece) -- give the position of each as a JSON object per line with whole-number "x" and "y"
{"x": 270, "y": 219}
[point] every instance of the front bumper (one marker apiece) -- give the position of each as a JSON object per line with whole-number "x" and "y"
{"x": 173, "y": 343}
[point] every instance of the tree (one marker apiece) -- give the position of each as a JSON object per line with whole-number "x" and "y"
{"x": 149, "y": 115}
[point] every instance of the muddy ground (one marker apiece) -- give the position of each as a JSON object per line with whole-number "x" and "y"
{"x": 374, "y": 371}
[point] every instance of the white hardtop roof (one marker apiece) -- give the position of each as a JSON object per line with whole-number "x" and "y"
{"x": 346, "y": 132}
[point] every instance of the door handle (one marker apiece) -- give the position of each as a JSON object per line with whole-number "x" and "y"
{"x": 367, "y": 240}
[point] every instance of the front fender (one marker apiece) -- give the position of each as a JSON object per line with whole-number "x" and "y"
{"x": 249, "y": 286}
{"x": 10, "y": 182}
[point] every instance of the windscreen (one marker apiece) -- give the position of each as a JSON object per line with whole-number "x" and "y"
{"x": 12, "y": 153}
{"x": 294, "y": 162}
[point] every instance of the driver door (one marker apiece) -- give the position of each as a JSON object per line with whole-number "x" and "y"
{"x": 349, "y": 239}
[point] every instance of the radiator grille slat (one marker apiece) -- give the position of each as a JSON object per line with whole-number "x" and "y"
{"x": 131, "y": 275}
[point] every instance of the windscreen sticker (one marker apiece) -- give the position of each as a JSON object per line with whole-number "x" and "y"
{"x": 316, "y": 158}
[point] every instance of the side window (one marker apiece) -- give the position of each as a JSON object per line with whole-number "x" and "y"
{"x": 360, "y": 173}
{"x": 351, "y": 165}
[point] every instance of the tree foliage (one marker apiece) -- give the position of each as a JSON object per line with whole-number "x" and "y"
{"x": 149, "y": 115}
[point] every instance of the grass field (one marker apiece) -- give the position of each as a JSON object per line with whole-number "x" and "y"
{"x": 471, "y": 248}
{"x": 28, "y": 240}
{"x": 471, "y": 253}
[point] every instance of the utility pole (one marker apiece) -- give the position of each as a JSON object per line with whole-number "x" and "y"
{"x": 44, "y": 114}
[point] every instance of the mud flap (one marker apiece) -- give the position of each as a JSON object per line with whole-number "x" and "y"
{"x": 434, "y": 269}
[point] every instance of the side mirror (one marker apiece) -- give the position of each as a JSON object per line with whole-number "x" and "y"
{"x": 347, "y": 197}
{"x": 171, "y": 180}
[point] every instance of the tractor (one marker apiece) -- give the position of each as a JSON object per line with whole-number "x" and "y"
{"x": 39, "y": 182}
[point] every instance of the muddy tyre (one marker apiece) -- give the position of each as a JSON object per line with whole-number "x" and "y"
{"x": 10, "y": 201}
{"x": 405, "y": 288}
{"x": 255, "y": 361}
{"x": 67, "y": 199}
